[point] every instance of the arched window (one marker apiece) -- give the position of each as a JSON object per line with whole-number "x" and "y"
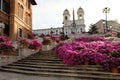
{"x": 66, "y": 18}
{"x": 80, "y": 16}
{"x": 28, "y": 19}
{"x": 20, "y": 11}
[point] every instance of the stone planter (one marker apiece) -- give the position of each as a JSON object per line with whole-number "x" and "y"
{"x": 26, "y": 52}
{"x": 53, "y": 44}
{"x": 46, "y": 47}
{"x": 5, "y": 59}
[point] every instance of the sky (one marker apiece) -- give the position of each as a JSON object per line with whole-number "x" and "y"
{"x": 49, "y": 13}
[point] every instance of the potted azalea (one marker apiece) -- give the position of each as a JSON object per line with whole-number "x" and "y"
{"x": 35, "y": 44}
{"x": 6, "y": 46}
{"x": 31, "y": 36}
{"x": 23, "y": 43}
{"x": 55, "y": 40}
{"x": 46, "y": 43}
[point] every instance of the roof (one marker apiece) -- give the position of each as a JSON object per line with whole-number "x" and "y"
{"x": 33, "y": 2}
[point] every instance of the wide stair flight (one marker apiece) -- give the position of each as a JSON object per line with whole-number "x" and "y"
{"x": 45, "y": 63}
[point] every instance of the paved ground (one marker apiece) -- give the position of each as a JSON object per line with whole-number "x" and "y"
{"x": 13, "y": 76}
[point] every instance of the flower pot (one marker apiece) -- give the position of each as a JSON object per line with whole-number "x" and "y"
{"x": 25, "y": 46}
{"x": 86, "y": 63}
{"x": 114, "y": 70}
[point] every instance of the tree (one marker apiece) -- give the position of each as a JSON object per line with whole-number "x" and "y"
{"x": 93, "y": 29}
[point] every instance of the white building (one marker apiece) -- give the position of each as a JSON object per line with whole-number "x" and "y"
{"x": 69, "y": 26}
{"x": 55, "y": 31}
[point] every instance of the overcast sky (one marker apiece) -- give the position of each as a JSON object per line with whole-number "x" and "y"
{"x": 49, "y": 13}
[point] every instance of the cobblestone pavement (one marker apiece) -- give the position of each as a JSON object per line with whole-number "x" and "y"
{"x": 13, "y": 76}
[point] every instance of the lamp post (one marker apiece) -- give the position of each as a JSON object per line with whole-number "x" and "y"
{"x": 106, "y": 10}
{"x": 104, "y": 27}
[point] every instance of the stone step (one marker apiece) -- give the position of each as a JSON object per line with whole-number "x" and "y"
{"x": 41, "y": 63}
{"x": 58, "y": 64}
{"x": 43, "y": 55}
{"x": 85, "y": 76}
{"x": 80, "y": 71}
{"x": 42, "y": 59}
{"x": 45, "y": 61}
{"x": 59, "y": 67}
{"x": 40, "y": 55}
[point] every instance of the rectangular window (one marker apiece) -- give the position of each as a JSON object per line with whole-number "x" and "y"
{"x": 19, "y": 32}
{"x": 4, "y": 6}
{"x": 0, "y": 4}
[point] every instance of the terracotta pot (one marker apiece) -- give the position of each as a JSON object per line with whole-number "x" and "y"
{"x": 114, "y": 70}
{"x": 38, "y": 49}
{"x": 86, "y": 63}
{"x": 25, "y": 46}
{"x": 97, "y": 63}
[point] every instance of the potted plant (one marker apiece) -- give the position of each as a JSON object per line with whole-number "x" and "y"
{"x": 6, "y": 47}
{"x": 31, "y": 36}
{"x": 23, "y": 43}
{"x": 35, "y": 44}
{"x": 46, "y": 43}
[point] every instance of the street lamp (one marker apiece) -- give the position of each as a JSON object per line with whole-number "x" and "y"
{"x": 104, "y": 27}
{"x": 106, "y": 10}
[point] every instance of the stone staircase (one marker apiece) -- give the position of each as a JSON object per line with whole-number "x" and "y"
{"x": 45, "y": 63}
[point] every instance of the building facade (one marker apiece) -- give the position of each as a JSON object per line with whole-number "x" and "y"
{"x": 69, "y": 26}
{"x": 112, "y": 25}
{"x": 16, "y": 18}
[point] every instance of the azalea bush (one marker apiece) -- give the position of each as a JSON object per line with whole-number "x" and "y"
{"x": 31, "y": 36}
{"x": 95, "y": 51}
{"x": 55, "y": 38}
{"x": 29, "y": 43}
{"x": 35, "y": 44}
{"x": 89, "y": 39}
{"x": 24, "y": 43}
{"x": 4, "y": 39}
{"x": 46, "y": 41}
{"x": 6, "y": 46}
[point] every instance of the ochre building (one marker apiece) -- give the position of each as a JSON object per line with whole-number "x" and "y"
{"x": 16, "y": 18}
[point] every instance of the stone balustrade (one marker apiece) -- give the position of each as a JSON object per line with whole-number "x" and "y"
{"x": 8, "y": 59}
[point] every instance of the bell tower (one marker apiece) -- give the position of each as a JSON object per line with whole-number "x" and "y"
{"x": 66, "y": 15}
{"x": 80, "y": 13}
